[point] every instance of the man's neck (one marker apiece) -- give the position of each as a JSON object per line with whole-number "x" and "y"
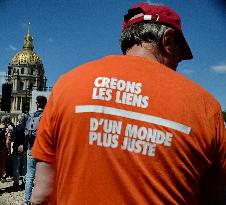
{"x": 145, "y": 50}
{"x": 150, "y": 50}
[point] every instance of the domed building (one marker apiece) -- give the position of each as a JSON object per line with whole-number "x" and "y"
{"x": 25, "y": 74}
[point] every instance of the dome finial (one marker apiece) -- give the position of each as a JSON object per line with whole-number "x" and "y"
{"x": 28, "y": 40}
{"x": 28, "y": 31}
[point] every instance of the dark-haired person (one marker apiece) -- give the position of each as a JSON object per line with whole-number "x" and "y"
{"x": 6, "y": 129}
{"x": 19, "y": 152}
{"x": 30, "y": 134}
{"x": 3, "y": 149}
{"x": 128, "y": 129}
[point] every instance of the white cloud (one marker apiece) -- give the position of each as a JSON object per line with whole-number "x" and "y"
{"x": 187, "y": 71}
{"x": 11, "y": 48}
{"x": 2, "y": 79}
{"x": 221, "y": 68}
{"x": 2, "y": 76}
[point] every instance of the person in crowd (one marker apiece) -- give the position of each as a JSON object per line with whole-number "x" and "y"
{"x": 8, "y": 128}
{"x": 30, "y": 134}
{"x": 3, "y": 149}
{"x": 129, "y": 129}
{"x": 27, "y": 115}
{"x": 19, "y": 152}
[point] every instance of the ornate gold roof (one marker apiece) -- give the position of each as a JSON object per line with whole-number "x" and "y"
{"x": 26, "y": 56}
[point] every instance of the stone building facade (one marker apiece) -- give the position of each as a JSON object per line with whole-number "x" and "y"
{"x": 25, "y": 74}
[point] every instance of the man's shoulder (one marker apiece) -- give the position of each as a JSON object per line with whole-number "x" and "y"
{"x": 198, "y": 93}
{"x": 79, "y": 73}
{"x": 93, "y": 65}
{"x": 197, "y": 90}
{"x": 38, "y": 112}
{"x": 197, "y": 96}
{"x": 19, "y": 127}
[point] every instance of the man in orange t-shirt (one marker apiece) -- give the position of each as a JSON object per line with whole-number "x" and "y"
{"x": 128, "y": 129}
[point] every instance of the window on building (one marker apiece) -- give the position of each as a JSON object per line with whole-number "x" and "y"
{"x": 25, "y": 104}
{"x": 18, "y": 103}
{"x": 22, "y": 70}
{"x": 9, "y": 70}
{"x": 31, "y": 86}
{"x": 32, "y": 70}
{"x": 14, "y": 104}
{"x": 21, "y": 85}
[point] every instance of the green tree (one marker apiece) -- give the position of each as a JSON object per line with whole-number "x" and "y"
{"x": 224, "y": 115}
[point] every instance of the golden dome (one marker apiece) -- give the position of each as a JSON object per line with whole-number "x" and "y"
{"x": 26, "y": 57}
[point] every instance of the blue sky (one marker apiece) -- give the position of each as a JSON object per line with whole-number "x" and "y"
{"x": 69, "y": 33}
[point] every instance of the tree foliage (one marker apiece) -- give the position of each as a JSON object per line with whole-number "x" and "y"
{"x": 224, "y": 115}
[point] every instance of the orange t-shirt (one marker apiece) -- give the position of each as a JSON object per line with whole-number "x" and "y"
{"x": 128, "y": 130}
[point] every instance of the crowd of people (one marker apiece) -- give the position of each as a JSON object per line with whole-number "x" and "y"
{"x": 16, "y": 143}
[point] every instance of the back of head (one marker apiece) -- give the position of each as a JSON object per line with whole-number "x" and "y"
{"x": 140, "y": 33}
{"x": 21, "y": 118}
{"x": 146, "y": 23}
{"x": 41, "y": 101}
{"x": 5, "y": 119}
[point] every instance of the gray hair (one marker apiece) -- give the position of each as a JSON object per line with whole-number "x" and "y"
{"x": 139, "y": 33}
{"x": 21, "y": 118}
{"x": 5, "y": 119}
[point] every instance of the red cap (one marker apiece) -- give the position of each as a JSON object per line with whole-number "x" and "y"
{"x": 161, "y": 15}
